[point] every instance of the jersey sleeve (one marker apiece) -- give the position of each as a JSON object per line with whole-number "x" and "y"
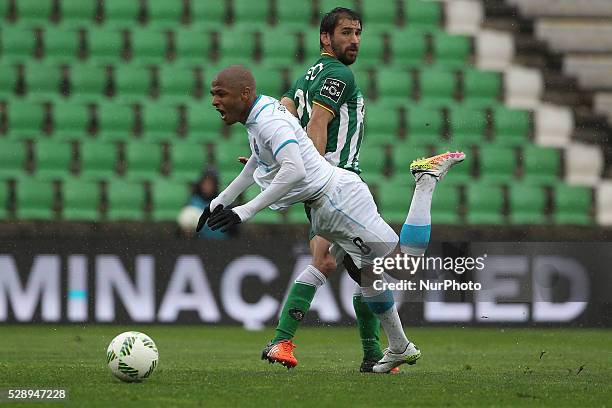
{"x": 277, "y": 135}
{"x": 333, "y": 87}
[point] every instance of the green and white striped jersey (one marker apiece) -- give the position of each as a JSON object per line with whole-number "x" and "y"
{"x": 331, "y": 84}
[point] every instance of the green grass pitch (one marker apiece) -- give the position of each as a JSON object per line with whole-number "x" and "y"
{"x": 220, "y": 366}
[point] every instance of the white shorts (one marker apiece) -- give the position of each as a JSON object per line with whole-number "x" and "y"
{"x": 347, "y": 216}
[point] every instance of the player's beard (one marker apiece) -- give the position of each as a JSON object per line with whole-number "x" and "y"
{"x": 342, "y": 55}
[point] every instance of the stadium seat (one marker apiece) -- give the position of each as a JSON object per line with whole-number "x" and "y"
{"x": 467, "y": 127}
{"x": 226, "y": 156}
{"x": 296, "y": 215}
{"x": 403, "y": 155}
{"x": 125, "y": 201}
{"x": 445, "y": 205}
{"x": 176, "y": 83}
{"x": 372, "y": 160}
{"x": 142, "y": 160}
{"x": 12, "y": 159}
{"x": 34, "y": 13}
{"x": 61, "y": 45}
{"x": 424, "y": 125}
{"x": 381, "y": 120}
{"x": 160, "y": 122}
{"x": 572, "y": 205}
{"x": 371, "y": 51}
{"x": 105, "y": 46}
{"x": 8, "y": 80}
{"x": 115, "y": 121}
{"x": 269, "y": 81}
{"x": 325, "y": 6}
{"x": 311, "y": 45}
{"x": 87, "y": 82}
{"x": 208, "y": 13}
{"x": 4, "y": 200}
{"x": 423, "y": 14}
{"x": 484, "y": 204}
{"x": 481, "y": 88}
{"x": 510, "y": 126}
{"x": 42, "y": 81}
{"x": 437, "y": 87}
{"x": 394, "y": 85}
{"x": 541, "y": 165}
{"x": 70, "y": 121}
{"x": 25, "y": 120}
{"x": 148, "y": 45}
{"x": 164, "y": 13}
{"x": 451, "y": 51}
{"x": 52, "y": 159}
{"x": 167, "y": 199}
{"x": 251, "y": 12}
{"x": 4, "y": 9}
{"x": 77, "y": 13}
{"x": 279, "y": 53}
{"x": 394, "y": 201}
{"x": 527, "y": 204}
{"x": 80, "y": 200}
{"x": 192, "y": 45}
{"x": 237, "y": 43}
{"x": 497, "y": 164}
{"x": 132, "y": 83}
{"x": 98, "y": 160}
{"x": 34, "y": 199}
{"x": 379, "y": 12}
{"x": 18, "y": 44}
{"x": 293, "y": 12}
{"x": 408, "y": 47}
{"x": 187, "y": 160}
{"x": 121, "y": 13}
{"x": 204, "y": 123}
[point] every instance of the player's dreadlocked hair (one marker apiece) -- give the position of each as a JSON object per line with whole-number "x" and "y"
{"x": 330, "y": 20}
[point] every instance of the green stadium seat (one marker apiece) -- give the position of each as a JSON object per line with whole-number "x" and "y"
{"x": 18, "y": 44}
{"x": 527, "y": 204}
{"x": 424, "y": 125}
{"x": 4, "y": 200}
{"x": 160, "y": 122}
{"x": 378, "y": 12}
{"x": 372, "y": 160}
{"x": 115, "y": 121}
{"x": 269, "y": 81}
{"x": 226, "y": 156}
{"x": 541, "y": 165}
{"x": 52, "y": 159}
{"x": 81, "y": 200}
{"x": 12, "y": 159}
{"x": 394, "y": 85}
{"x": 121, "y": 13}
{"x": 467, "y": 127}
{"x": 445, "y": 205}
{"x": 204, "y": 123}
{"x": 98, "y": 160}
{"x": 572, "y": 205}
{"x": 192, "y": 45}
{"x": 42, "y": 81}
{"x": 484, "y": 204}
{"x": 77, "y": 13}
{"x": 176, "y": 83}
{"x": 481, "y": 88}
{"x": 105, "y": 45}
{"x": 87, "y": 82}
{"x": 279, "y": 53}
{"x": 511, "y": 127}
{"x": 34, "y": 199}
{"x": 437, "y": 87}
{"x": 25, "y": 120}
{"x": 311, "y": 45}
{"x": 382, "y": 119}
{"x": 168, "y": 198}
{"x": 296, "y": 215}
{"x": 371, "y": 51}
{"x": 325, "y": 6}
{"x": 251, "y": 12}
{"x": 408, "y": 47}
{"x": 4, "y": 8}
{"x": 187, "y": 160}
{"x": 148, "y": 45}
{"x": 125, "y": 201}
{"x": 293, "y": 12}
{"x": 8, "y": 81}
{"x": 142, "y": 160}
{"x": 132, "y": 83}
{"x": 33, "y": 13}
{"x": 61, "y": 45}
{"x": 267, "y": 216}
{"x": 423, "y": 14}
{"x": 70, "y": 121}
{"x": 394, "y": 201}
{"x": 403, "y": 155}
{"x": 208, "y": 13}
{"x": 497, "y": 164}
{"x": 451, "y": 51}
{"x": 164, "y": 13}
{"x": 237, "y": 43}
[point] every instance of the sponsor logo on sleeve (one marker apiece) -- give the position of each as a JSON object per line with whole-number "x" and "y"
{"x": 332, "y": 88}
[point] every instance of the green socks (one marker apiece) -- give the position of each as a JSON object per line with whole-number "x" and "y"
{"x": 369, "y": 329}
{"x": 294, "y": 310}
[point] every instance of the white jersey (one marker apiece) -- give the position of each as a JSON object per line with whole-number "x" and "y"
{"x": 271, "y": 127}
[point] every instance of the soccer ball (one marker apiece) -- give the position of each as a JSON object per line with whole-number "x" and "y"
{"x": 132, "y": 356}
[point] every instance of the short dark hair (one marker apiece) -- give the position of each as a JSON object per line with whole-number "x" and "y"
{"x": 331, "y": 19}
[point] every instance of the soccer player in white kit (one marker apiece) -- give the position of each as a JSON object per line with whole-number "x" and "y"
{"x": 286, "y": 166}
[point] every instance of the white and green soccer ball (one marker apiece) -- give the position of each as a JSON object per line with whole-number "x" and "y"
{"x": 132, "y": 356}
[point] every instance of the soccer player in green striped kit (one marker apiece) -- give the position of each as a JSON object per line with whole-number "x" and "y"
{"x": 330, "y": 106}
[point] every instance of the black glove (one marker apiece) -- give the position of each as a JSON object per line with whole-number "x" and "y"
{"x": 205, "y": 215}
{"x": 223, "y": 220}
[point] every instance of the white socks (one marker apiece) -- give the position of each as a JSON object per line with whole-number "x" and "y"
{"x": 312, "y": 276}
